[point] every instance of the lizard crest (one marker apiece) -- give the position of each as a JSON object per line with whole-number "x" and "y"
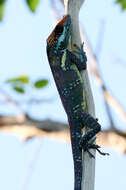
{"x": 60, "y": 36}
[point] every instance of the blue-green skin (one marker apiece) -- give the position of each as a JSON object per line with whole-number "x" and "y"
{"x": 66, "y": 67}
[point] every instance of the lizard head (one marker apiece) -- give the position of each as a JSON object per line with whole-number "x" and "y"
{"x": 60, "y": 36}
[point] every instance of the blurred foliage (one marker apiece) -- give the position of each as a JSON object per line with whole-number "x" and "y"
{"x": 40, "y": 83}
{"x": 32, "y": 4}
{"x": 22, "y": 82}
{"x": 122, "y": 3}
{"x": 19, "y": 89}
{"x": 22, "y": 78}
{"x": 2, "y": 8}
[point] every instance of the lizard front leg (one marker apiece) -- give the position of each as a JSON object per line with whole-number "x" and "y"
{"x": 78, "y": 57}
{"x": 69, "y": 58}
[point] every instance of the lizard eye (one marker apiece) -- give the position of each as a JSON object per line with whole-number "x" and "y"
{"x": 58, "y": 30}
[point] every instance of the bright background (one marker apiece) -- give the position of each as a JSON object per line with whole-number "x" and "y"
{"x": 47, "y": 164}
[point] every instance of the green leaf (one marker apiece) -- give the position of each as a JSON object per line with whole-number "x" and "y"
{"x": 19, "y": 89}
{"x": 22, "y": 79}
{"x": 32, "y": 4}
{"x": 41, "y": 83}
{"x": 2, "y": 9}
{"x": 122, "y": 3}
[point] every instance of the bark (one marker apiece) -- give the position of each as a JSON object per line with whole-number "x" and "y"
{"x": 72, "y": 8}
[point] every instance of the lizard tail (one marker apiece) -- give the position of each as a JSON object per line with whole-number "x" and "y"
{"x": 76, "y": 133}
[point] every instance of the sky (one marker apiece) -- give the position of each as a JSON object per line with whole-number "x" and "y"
{"x": 43, "y": 163}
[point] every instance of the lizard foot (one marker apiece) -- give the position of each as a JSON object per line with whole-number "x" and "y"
{"x": 80, "y": 51}
{"x": 79, "y": 48}
{"x": 88, "y": 146}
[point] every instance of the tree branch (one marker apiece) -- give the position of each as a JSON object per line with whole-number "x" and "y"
{"x": 72, "y": 7}
{"x": 9, "y": 99}
{"x": 58, "y": 130}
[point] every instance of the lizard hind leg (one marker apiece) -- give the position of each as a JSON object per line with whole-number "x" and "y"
{"x": 94, "y": 127}
{"x": 90, "y": 123}
{"x": 87, "y": 141}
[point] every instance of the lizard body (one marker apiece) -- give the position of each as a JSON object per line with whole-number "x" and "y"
{"x": 66, "y": 67}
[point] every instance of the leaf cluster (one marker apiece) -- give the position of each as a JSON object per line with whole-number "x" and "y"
{"x": 32, "y": 5}
{"x": 122, "y": 3}
{"x": 22, "y": 82}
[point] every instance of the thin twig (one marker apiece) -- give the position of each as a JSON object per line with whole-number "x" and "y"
{"x": 9, "y": 99}
{"x": 111, "y": 100}
{"x": 118, "y": 60}
{"x": 103, "y": 87}
{"x": 32, "y": 162}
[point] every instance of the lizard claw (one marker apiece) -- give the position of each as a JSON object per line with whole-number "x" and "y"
{"x": 79, "y": 48}
{"x": 92, "y": 146}
{"x": 80, "y": 51}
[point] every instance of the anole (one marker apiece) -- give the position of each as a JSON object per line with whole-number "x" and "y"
{"x": 66, "y": 66}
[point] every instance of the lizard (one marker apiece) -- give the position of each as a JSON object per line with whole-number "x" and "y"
{"x": 66, "y": 66}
